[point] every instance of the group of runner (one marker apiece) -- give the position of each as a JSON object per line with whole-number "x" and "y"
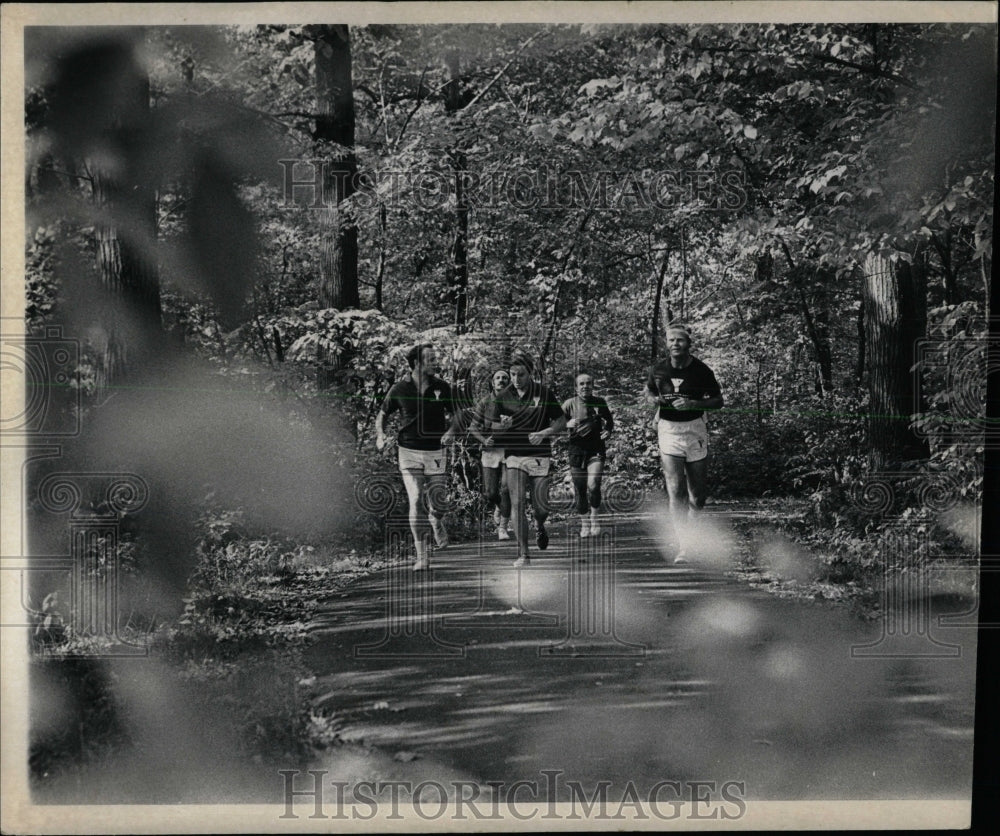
{"x": 514, "y": 424}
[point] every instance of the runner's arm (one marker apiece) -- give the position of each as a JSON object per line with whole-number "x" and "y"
{"x": 653, "y": 395}
{"x": 476, "y": 428}
{"x": 553, "y": 429}
{"x": 380, "y": 429}
{"x": 710, "y": 403}
{"x": 609, "y": 422}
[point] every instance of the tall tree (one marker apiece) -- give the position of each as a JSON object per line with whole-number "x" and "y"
{"x": 895, "y": 319}
{"x": 456, "y": 97}
{"x": 101, "y": 112}
{"x": 335, "y": 129}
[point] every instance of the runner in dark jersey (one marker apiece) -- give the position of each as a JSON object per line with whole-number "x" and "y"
{"x": 683, "y": 387}
{"x": 485, "y": 423}
{"x": 424, "y": 402}
{"x": 534, "y": 418}
{"x": 589, "y": 422}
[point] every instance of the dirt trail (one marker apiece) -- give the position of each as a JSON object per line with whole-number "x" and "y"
{"x": 604, "y": 661}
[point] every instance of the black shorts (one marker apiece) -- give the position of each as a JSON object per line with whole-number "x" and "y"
{"x": 580, "y": 458}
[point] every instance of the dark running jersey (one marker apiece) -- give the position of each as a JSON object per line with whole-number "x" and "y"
{"x": 529, "y": 414}
{"x": 423, "y": 415}
{"x": 592, "y": 417}
{"x": 694, "y": 381}
{"x": 486, "y": 414}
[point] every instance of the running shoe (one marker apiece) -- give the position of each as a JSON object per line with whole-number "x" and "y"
{"x": 585, "y": 529}
{"x": 522, "y": 560}
{"x": 542, "y": 538}
{"x": 595, "y": 528}
{"x": 681, "y": 557}
{"x": 496, "y": 516}
{"x": 420, "y": 564}
{"x": 440, "y": 533}
{"x": 502, "y": 533}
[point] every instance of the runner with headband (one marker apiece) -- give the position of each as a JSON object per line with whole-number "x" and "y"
{"x": 683, "y": 387}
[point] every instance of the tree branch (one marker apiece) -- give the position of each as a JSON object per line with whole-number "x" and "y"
{"x": 863, "y": 68}
{"x": 412, "y": 113}
{"x": 504, "y": 69}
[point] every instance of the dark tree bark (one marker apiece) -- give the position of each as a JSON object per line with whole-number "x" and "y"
{"x": 456, "y": 97}
{"x": 815, "y": 329}
{"x": 895, "y": 318}
{"x": 380, "y": 271}
{"x": 126, "y": 237}
{"x": 335, "y": 124}
{"x": 859, "y": 369}
{"x": 654, "y": 347}
{"x": 458, "y": 261}
{"x": 949, "y": 280}
{"x": 820, "y": 335}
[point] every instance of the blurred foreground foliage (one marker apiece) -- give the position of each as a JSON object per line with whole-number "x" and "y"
{"x": 160, "y": 235}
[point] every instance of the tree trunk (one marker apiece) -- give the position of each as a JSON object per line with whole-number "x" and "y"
{"x": 684, "y": 274}
{"x": 655, "y": 325}
{"x": 335, "y": 124}
{"x": 815, "y": 325}
{"x": 895, "y": 318}
{"x": 380, "y": 272}
{"x": 124, "y": 241}
{"x": 455, "y": 99}
{"x": 458, "y": 264}
{"x": 859, "y": 369}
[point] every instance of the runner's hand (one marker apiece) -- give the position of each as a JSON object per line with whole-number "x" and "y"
{"x": 685, "y": 403}
{"x": 571, "y": 423}
{"x": 537, "y": 438}
{"x": 488, "y": 441}
{"x": 448, "y": 438}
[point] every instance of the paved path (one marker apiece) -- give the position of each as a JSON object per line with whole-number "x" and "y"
{"x": 606, "y": 662}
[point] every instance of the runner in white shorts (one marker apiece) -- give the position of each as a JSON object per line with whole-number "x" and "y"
{"x": 535, "y": 417}
{"x": 424, "y": 402}
{"x": 486, "y": 420}
{"x": 683, "y": 387}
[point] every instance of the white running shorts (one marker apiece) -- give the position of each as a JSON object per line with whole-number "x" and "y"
{"x": 532, "y": 465}
{"x": 492, "y": 457}
{"x": 428, "y": 462}
{"x": 685, "y": 439}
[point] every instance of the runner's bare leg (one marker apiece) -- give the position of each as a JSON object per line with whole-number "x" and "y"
{"x": 414, "y": 482}
{"x": 517, "y": 482}
{"x": 594, "y": 472}
{"x": 674, "y": 473}
{"x": 697, "y": 486}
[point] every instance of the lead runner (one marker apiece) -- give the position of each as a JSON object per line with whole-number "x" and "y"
{"x": 683, "y": 387}
{"x": 424, "y": 400}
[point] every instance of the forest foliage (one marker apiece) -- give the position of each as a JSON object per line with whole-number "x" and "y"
{"x": 566, "y": 189}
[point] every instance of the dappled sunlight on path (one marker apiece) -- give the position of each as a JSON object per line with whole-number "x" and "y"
{"x": 607, "y": 662}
